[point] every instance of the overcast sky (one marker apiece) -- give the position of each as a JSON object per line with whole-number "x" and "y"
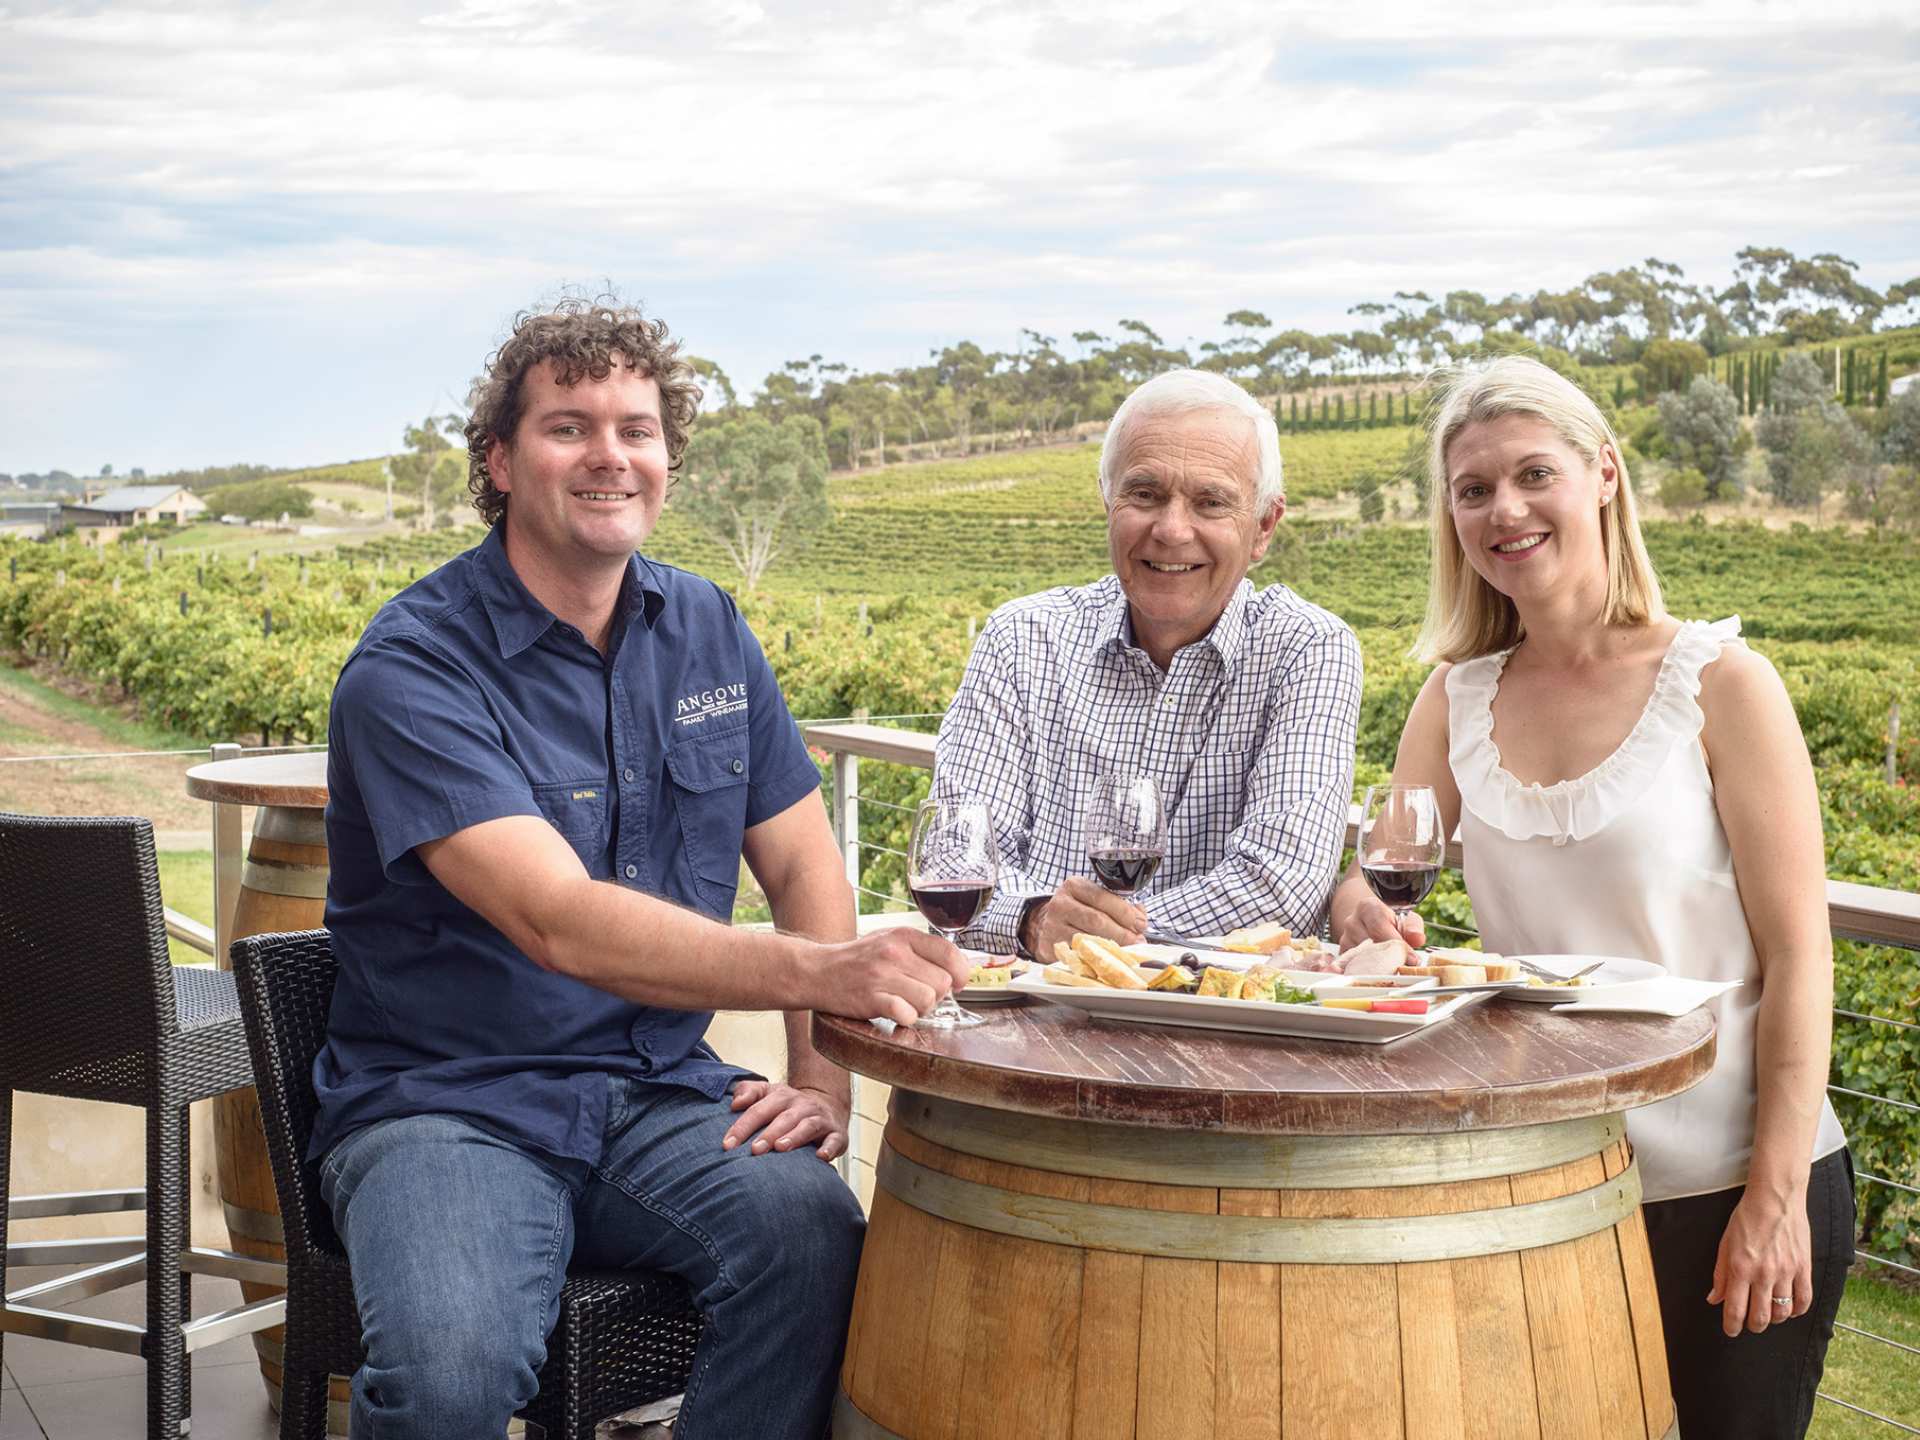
{"x": 278, "y": 231}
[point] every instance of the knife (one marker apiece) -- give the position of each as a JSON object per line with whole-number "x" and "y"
{"x": 1156, "y": 937}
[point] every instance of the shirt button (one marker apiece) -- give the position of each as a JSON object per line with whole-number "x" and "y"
{"x": 737, "y": 766}
{"x": 632, "y": 870}
{"x": 627, "y": 775}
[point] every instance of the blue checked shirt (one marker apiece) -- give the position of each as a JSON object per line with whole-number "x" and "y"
{"x": 1249, "y": 733}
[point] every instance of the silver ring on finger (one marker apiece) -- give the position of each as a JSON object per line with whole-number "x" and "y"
{"x": 1786, "y": 1300}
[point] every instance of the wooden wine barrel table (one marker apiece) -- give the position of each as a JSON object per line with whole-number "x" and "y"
{"x": 1089, "y": 1231}
{"x": 282, "y": 886}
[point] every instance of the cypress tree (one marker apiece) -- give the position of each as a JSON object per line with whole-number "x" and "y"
{"x": 1881, "y": 387}
{"x": 1849, "y": 380}
{"x": 1619, "y": 391}
{"x": 1373, "y": 408}
{"x": 1293, "y": 414}
{"x": 1340, "y": 412}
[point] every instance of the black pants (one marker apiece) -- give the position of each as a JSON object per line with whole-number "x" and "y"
{"x": 1752, "y": 1387}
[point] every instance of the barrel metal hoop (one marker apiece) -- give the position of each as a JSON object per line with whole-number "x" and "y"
{"x": 291, "y": 825}
{"x": 1260, "y": 1239}
{"x": 268, "y": 877}
{"x": 258, "y": 1225}
{"x": 1257, "y": 1162}
{"x": 851, "y": 1423}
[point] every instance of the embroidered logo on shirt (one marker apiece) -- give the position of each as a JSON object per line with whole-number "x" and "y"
{"x": 586, "y": 794}
{"x": 704, "y": 705}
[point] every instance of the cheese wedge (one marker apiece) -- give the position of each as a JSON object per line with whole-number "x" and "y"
{"x": 1259, "y": 939}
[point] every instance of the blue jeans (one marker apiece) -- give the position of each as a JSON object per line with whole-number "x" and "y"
{"x": 460, "y": 1240}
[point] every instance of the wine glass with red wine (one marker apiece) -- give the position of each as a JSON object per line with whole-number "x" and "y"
{"x": 952, "y": 867}
{"x": 1126, "y": 831}
{"x": 1401, "y": 844}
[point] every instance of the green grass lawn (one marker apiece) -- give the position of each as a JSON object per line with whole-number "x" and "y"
{"x": 123, "y": 731}
{"x": 1866, "y": 1373}
{"x": 186, "y": 885}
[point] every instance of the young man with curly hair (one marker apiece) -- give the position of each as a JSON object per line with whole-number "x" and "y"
{"x": 546, "y": 762}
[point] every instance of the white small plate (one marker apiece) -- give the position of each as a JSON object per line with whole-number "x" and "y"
{"x": 986, "y": 994}
{"x": 1257, "y": 1017}
{"x": 1616, "y": 970}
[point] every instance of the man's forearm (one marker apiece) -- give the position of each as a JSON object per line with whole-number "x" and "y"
{"x": 1287, "y": 875}
{"x": 649, "y": 951}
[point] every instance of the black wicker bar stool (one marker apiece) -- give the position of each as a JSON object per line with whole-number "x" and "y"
{"x": 624, "y": 1338}
{"x": 92, "y": 1009}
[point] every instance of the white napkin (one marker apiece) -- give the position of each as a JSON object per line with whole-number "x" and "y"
{"x": 1661, "y": 995}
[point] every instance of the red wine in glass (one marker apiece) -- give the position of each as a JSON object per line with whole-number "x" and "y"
{"x": 1401, "y": 845}
{"x": 1124, "y": 870}
{"x": 951, "y": 905}
{"x": 952, "y": 866}
{"x": 1126, "y": 829}
{"x": 1402, "y": 885}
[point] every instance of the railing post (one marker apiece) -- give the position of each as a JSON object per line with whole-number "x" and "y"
{"x": 226, "y": 864}
{"x": 846, "y": 816}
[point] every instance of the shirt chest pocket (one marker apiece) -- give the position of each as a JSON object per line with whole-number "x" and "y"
{"x": 710, "y": 774}
{"x": 578, "y": 810}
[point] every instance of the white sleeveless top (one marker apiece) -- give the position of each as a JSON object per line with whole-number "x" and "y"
{"x": 1628, "y": 859}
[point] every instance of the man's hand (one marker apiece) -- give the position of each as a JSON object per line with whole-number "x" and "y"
{"x": 785, "y": 1117}
{"x": 1766, "y": 1251}
{"x": 896, "y": 974}
{"x": 1081, "y": 907}
{"x": 1372, "y": 919}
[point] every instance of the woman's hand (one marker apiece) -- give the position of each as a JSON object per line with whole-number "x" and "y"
{"x": 1765, "y": 1252}
{"x": 1369, "y": 918}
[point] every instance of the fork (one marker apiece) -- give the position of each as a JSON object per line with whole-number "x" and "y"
{"x": 1554, "y": 975}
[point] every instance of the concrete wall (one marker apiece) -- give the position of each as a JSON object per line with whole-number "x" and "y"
{"x": 61, "y": 1145}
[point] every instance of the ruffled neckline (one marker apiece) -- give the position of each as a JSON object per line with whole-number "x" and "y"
{"x": 1583, "y": 806}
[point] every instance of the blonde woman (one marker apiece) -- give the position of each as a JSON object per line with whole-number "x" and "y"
{"x": 1631, "y": 784}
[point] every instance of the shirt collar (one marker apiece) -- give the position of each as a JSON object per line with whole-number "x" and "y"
{"x": 1113, "y": 628}
{"x": 519, "y": 619}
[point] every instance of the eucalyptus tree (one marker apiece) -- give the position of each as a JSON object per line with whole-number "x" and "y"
{"x": 759, "y": 489}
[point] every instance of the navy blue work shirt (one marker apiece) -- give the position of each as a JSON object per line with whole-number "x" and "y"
{"x": 467, "y": 700}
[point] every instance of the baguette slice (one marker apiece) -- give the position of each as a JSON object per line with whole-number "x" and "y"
{"x": 1499, "y": 969}
{"x": 1058, "y": 974}
{"x": 1259, "y": 939}
{"x": 1103, "y": 960}
{"x": 1463, "y": 974}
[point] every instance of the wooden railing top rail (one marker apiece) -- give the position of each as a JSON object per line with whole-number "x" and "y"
{"x": 1854, "y": 912}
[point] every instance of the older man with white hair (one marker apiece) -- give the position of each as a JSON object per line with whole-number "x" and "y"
{"x": 1240, "y": 704}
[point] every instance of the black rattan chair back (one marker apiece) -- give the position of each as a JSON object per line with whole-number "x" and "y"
{"x": 286, "y": 991}
{"x": 86, "y": 987}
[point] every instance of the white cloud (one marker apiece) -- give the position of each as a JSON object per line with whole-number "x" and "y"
{"x": 868, "y": 179}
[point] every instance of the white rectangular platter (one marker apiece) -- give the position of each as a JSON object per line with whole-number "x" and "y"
{"x": 1255, "y": 1017}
